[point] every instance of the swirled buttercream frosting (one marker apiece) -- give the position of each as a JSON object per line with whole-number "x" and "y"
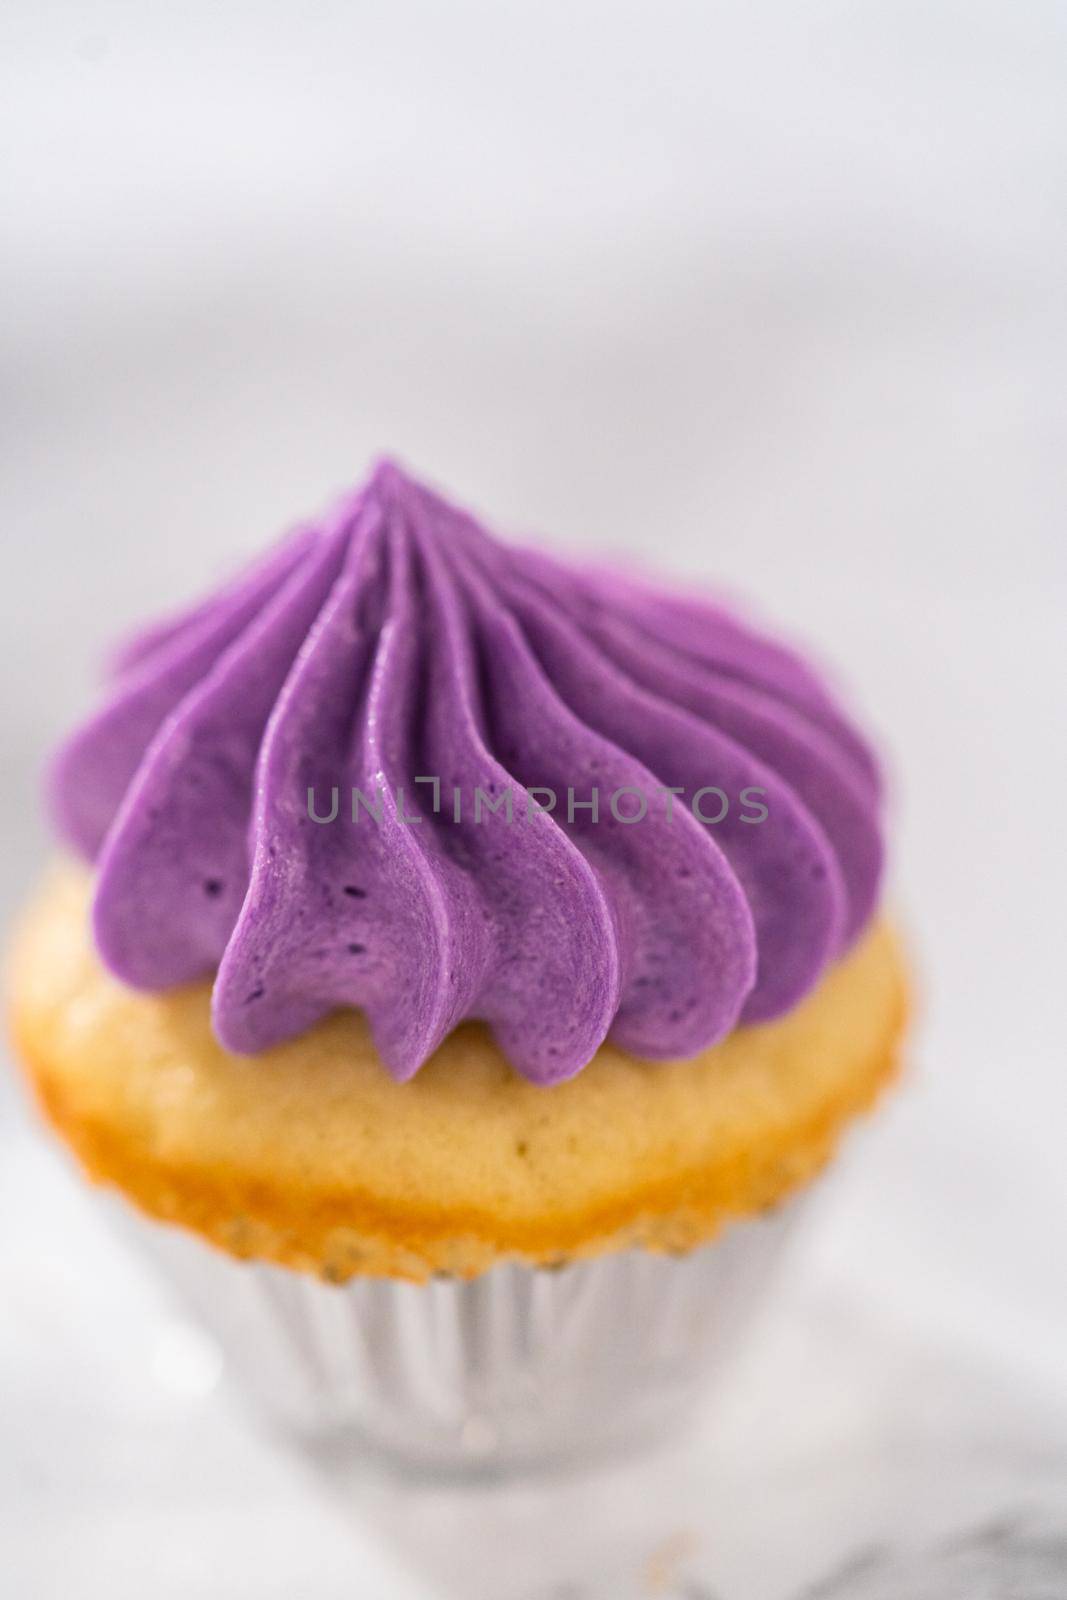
{"x": 402, "y": 766}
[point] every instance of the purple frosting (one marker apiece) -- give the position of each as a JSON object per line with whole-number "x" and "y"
{"x": 396, "y": 640}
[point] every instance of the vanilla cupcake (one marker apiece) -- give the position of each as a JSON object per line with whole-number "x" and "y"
{"x": 449, "y": 915}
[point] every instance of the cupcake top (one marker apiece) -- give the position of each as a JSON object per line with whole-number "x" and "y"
{"x": 400, "y": 766}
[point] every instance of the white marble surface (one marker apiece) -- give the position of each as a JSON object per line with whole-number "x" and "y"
{"x": 772, "y": 294}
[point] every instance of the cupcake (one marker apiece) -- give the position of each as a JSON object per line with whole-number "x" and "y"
{"x": 465, "y": 963}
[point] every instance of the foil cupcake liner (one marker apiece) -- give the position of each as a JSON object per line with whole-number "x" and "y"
{"x": 520, "y": 1366}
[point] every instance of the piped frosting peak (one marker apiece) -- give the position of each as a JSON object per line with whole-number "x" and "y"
{"x": 401, "y": 766}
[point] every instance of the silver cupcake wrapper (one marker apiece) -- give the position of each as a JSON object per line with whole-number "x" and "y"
{"x": 520, "y": 1366}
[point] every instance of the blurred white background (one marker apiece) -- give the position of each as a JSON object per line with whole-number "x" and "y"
{"x": 772, "y": 294}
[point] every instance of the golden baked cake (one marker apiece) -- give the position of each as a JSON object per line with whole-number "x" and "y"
{"x": 314, "y": 1157}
